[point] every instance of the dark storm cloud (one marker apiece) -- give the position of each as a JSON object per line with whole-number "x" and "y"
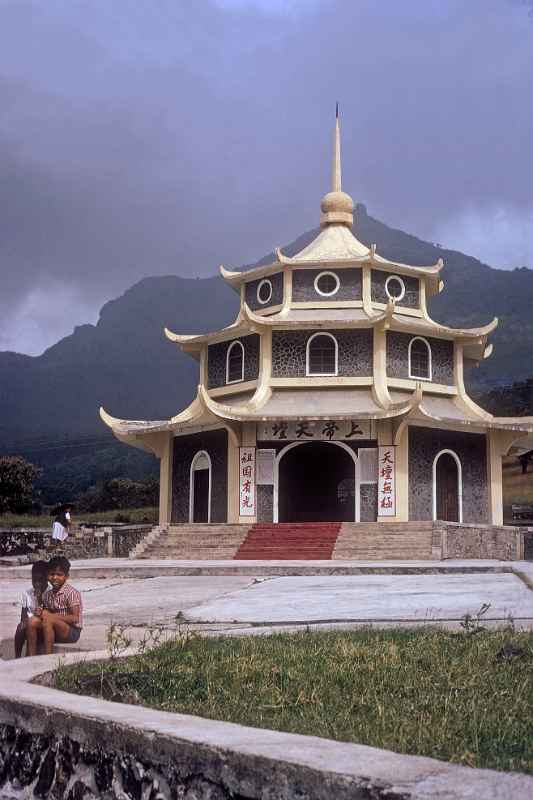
{"x": 142, "y": 138}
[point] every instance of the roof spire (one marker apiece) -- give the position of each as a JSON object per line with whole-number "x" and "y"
{"x": 336, "y": 176}
{"x": 336, "y": 206}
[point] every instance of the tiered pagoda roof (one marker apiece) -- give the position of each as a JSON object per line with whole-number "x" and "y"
{"x": 371, "y": 398}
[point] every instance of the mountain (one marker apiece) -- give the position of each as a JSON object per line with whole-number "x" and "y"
{"x": 49, "y": 403}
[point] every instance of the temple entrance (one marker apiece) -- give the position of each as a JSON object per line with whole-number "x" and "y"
{"x": 200, "y": 494}
{"x": 447, "y": 487}
{"x": 316, "y": 483}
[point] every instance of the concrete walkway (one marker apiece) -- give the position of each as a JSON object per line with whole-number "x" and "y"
{"x": 259, "y": 600}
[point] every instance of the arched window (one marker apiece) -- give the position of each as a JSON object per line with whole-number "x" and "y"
{"x": 447, "y": 487}
{"x": 322, "y": 355}
{"x": 419, "y": 359}
{"x": 235, "y": 363}
{"x": 200, "y": 488}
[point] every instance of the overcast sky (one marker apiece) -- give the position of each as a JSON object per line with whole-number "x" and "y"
{"x": 145, "y": 137}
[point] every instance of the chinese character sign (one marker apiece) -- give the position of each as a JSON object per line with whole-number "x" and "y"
{"x": 387, "y": 482}
{"x": 247, "y": 481}
{"x": 318, "y": 430}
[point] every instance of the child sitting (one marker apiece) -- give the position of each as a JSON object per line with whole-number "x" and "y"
{"x": 32, "y": 599}
{"x": 61, "y": 617}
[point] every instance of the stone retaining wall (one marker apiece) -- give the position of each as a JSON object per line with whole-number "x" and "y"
{"x": 65, "y": 747}
{"x": 82, "y": 542}
{"x": 504, "y": 543}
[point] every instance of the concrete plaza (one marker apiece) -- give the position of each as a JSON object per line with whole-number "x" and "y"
{"x": 442, "y": 593}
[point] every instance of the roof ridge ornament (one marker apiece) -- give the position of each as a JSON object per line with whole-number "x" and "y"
{"x": 336, "y": 205}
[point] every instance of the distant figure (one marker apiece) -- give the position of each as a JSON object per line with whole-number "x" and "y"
{"x": 32, "y": 599}
{"x": 61, "y": 617}
{"x": 61, "y": 524}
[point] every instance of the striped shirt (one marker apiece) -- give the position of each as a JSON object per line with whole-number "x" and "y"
{"x": 64, "y": 601}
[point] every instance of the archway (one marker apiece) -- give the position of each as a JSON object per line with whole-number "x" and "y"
{"x": 447, "y": 487}
{"x": 315, "y": 482}
{"x": 200, "y": 488}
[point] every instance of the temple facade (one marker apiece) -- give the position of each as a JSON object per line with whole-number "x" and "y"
{"x": 333, "y": 396}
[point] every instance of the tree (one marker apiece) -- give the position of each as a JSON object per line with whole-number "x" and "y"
{"x": 17, "y": 477}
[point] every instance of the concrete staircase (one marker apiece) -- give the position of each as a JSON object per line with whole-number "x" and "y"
{"x": 198, "y": 542}
{"x": 374, "y": 541}
{"x": 302, "y": 541}
{"x": 288, "y": 541}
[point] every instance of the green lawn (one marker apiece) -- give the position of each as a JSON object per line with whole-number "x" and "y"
{"x": 132, "y": 515}
{"x": 460, "y": 697}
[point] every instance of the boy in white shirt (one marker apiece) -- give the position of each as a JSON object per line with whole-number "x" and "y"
{"x": 32, "y": 599}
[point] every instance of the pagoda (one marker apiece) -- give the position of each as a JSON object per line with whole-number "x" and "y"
{"x": 332, "y": 396}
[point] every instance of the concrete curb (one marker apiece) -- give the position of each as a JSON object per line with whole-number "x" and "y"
{"x": 105, "y": 568}
{"x": 232, "y": 759}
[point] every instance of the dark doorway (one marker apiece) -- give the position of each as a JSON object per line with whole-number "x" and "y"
{"x": 201, "y": 495}
{"x": 316, "y": 483}
{"x": 447, "y": 478}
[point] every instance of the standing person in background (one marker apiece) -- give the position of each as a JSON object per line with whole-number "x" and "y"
{"x": 32, "y": 599}
{"x": 61, "y": 524}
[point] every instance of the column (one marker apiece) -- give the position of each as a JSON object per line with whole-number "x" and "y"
{"x": 165, "y": 480}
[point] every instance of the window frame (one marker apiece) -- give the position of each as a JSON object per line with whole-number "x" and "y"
{"x": 321, "y": 275}
{"x": 192, "y": 470}
{"x": 264, "y": 282}
{"x": 228, "y": 351}
{"x": 402, "y": 284}
{"x": 310, "y": 374}
{"x": 428, "y": 377}
{"x": 457, "y": 460}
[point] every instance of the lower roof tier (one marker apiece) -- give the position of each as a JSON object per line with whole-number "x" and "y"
{"x": 293, "y": 405}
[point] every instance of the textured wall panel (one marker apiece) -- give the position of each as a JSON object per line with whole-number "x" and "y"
{"x": 250, "y": 292}
{"x": 216, "y": 360}
{"x": 265, "y": 503}
{"x": 369, "y": 502}
{"x": 398, "y": 357}
{"x": 303, "y": 285}
{"x": 289, "y": 348}
{"x": 411, "y": 298}
{"x": 424, "y": 444}
{"x": 185, "y": 448}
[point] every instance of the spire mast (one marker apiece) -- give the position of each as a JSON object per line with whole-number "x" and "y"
{"x": 336, "y": 178}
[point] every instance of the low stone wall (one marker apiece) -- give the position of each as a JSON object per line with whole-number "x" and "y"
{"x": 504, "y": 543}
{"x": 66, "y": 747}
{"x": 109, "y": 541}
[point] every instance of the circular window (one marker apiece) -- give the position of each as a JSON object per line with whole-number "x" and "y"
{"x": 327, "y": 284}
{"x": 394, "y": 287}
{"x": 264, "y": 292}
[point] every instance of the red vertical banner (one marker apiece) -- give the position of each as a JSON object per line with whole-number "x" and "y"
{"x": 247, "y": 481}
{"x": 387, "y": 481}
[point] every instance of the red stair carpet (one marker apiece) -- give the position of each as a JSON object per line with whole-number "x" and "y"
{"x": 289, "y": 541}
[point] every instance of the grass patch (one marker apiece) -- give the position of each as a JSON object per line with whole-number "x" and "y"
{"x": 454, "y": 696}
{"x": 130, "y": 515}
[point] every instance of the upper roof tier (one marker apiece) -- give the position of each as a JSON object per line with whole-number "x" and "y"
{"x": 335, "y": 244}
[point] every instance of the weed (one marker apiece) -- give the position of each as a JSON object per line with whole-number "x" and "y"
{"x": 471, "y": 623}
